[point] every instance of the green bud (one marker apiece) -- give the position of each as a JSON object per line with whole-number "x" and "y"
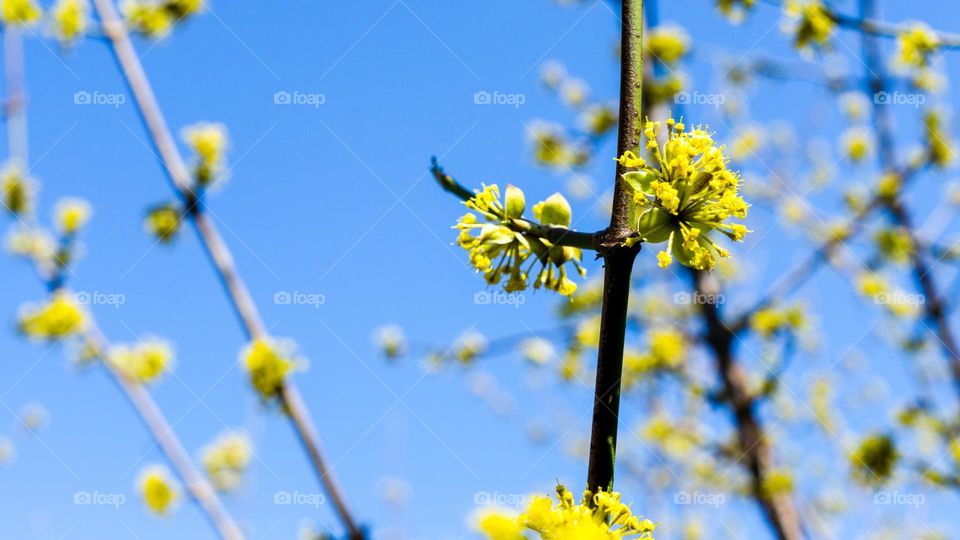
{"x": 554, "y": 211}
{"x": 515, "y": 202}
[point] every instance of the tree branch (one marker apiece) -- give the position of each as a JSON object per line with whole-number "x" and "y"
{"x": 216, "y": 248}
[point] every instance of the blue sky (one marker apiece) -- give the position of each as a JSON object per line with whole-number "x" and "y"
{"x": 333, "y": 200}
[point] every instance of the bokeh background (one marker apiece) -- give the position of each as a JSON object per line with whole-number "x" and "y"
{"x": 336, "y": 200}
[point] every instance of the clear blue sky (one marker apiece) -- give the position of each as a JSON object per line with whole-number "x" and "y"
{"x": 334, "y": 200}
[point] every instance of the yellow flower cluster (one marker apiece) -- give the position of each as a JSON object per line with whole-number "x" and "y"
{"x": 69, "y": 20}
{"x": 812, "y": 24}
{"x": 916, "y": 44}
{"x": 144, "y": 362}
{"x": 895, "y": 244}
{"x": 71, "y": 215}
{"x": 268, "y": 363}
{"x": 688, "y": 194}
{"x": 940, "y": 147}
{"x": 163, "y": 222}
{"x": 391, "y": 340}
{"x": 857, "y": 144}
{"x": 17, "y": 190}
{"x": 668, "y": 43}
{"x": 552, "y": 148}
{"x": 498, "y": 251}
{"x": 19, "y": 12}
{"x": 667, "y": 349}
{"x": 209, "y": 142}
{"x": 605, "y": 519}
{"x": 159, "y": 490}
{"x": 771, "y": 320}
{"x": 155, "y": 18}
{"x": 875, "y": 459}
{"x": 226, "y": 459}
{"x": 876, "y": 288}
{"x": 58, "y": 318}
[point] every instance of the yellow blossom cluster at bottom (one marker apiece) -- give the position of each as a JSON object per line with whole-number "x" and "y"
{"x": 605, "y": 519}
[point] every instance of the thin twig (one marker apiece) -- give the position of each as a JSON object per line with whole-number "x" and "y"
{"x": 217, "y": 250}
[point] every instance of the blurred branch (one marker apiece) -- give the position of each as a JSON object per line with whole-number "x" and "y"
{"x": 778, "y": 507}
{"x": 213, "y": 243}
{"x": 558, "y": 236}
{"x": 935, "y": 305}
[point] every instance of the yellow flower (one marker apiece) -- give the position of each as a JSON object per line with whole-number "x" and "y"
{"x": 940, "y": 148}
{"x": 72, "y": 215}
{"x": 668, "y": 43}
{"x": 58, "y": 318}
{"x": 17, "y": 190}
{"x": 159, "y": 491}
{"x": 497, "y": 250}
{"x": 606, "y": 518}
{"x": 735, "y": 10}
{"x": 35, "y": 244}
{"x": 209, "y": 142}
{"x": 812, "y": 24}
{"x": 181, "y": 9}
{"x": 689, "y": 194}
{"x": 916, "y": 44}
{"x": 163, "y": 222}
{"x": 875, "y": 459}
{"x": 70, "y": 19}
{"x": 147, "y": 17}
{"x": 857, "y": 144}
{"x": 226, "y": 459}
{"x": 268, "y": 363}
{"x": 537, "y": 350}
{"x": 391, "y": 340}
{"x": 769, "y": 321}
{"x": 19, "y": 12}
{"x": 144, "y": 362}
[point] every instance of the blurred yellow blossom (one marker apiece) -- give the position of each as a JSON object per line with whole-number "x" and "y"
{"x": 71, "y": 215}
{"x": 810, "y": 23}
{"x": 667, "y": 43}
{"x": 17, "y": 190}
{"x": 59, "y": 317}
{"x": 158, "y": 489}
{"x": 209, "y": 143}
{"x": 916, "y": 44}
{"x": 226, "y": 459}
{"x": 268, "y": 362}
{"x": 143, "y": 362}
{"x": 163, "y": 222}
{"x": 19, "y": 12}
{"x": 69, "y": 20}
